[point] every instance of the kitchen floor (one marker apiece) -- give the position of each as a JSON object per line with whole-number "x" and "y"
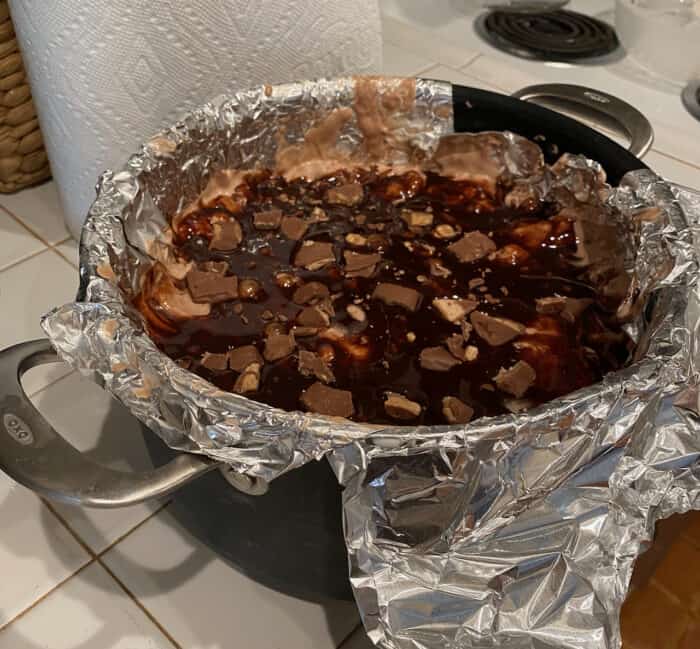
{"x": 133, "y": 578}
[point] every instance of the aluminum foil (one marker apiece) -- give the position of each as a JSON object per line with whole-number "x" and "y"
{"x": 519, "y": 531}
{"x": 103, "y": 336}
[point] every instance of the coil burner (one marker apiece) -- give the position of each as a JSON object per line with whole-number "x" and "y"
{"x": 551, "y": 36}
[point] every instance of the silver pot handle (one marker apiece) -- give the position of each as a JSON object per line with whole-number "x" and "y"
{"x": 597, "y": 107}
{"x": 36, "y": 456}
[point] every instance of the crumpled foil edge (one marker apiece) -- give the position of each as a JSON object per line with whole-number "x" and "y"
{"x": 102, "y": 335}
{"x": 518, "y": 531}
{"x": 523, "y": 534}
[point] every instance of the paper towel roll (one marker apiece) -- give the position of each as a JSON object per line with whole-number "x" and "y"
{"x": 107, "y": 74}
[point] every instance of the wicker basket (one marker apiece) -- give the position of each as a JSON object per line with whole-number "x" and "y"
{"x": 23, "y": 159}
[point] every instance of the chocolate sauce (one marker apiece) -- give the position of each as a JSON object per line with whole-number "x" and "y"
{"x": 373, "y": 348}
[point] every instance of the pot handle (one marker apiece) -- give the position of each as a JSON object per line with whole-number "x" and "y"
{"x": 36, "y": 456}
{"x": 595, "y": 106}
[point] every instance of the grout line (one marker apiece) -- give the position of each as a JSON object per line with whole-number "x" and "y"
{"x": 350, "y": 635}
{"x": 17, "y": 262}
{"x": 27, "y": 227}
{"x": 23, "y": 224}
{"x": 96, "y": 558}
{"x": 119, "y": 539}
{"x": 474, "y": 60}
{"x": 426, "y": 68}
{"x": 70, "y": 371}
{"x": 23, "y": 612}
{"x": 58, "y": 252}
{"x": 464, "y": 56}
{"x": 36, "y": 254}
{"x": 93, "y": 553}
{"x": 72, "y": 532}
{"x": 675, "y": 158}
{"x": 488, "y": 85}
{"x": 138, "y": 603}
{"x": 489, "y": 82}
{"x": 471, "y": 60}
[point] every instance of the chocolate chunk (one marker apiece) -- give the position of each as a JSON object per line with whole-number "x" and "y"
{"x": 356, "y": 313}
{"x": 274, "y": 328}
{"x": 454, "y": 310}
{"x": 279, "y": 346}
{"x": 495, "y": 331}
{"x": 360, "y": 265}
{"x": 314, "y": 255}
{"x": 318, "y": 215}
{"x": 397, "y": 295}
{"x": 215, "y": 361}
{"x": 310, "y": 293}
{"x": 570, "y": 308}
{"x": 313, "y": 316}
{"x": 249, "y": 379}
{"x": 511, "y": 255}
{"x": 550, "y": 305}
{"x": 311, "y": 364}
{"x": 444, "y": 231}
{"x": 211, "y": 288}
{"x": 293, "y": 227}
{"x": 437, "y": 269}
{"x": 268, "y": 220}
{"x": 328, "y": 401}
{"x": 455, "y": 345}
{"x": 472, "y": 247}
{"x": 437, "y": 359}
{"x": 227, "y": 235}
{"x": 516, "y": 380}
{"x": 471, "y": 353}
{"x": 466, "y": 329}
{"x": 456, "y": 411}
{"x": 350, "y": 195}
{"x": 304, "y": 332}
{"x": 417, "y": 219}
{"x": 399, "y": 407}
{"x": 241, "y": 357}
{"x": 215, "y": 267}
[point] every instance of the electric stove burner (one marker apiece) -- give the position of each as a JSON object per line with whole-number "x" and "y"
{"x": 691, "y": 98}
{"x": 550, "y": 36}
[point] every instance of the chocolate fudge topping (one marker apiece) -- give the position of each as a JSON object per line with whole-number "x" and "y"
{"x": 387, "y": 296}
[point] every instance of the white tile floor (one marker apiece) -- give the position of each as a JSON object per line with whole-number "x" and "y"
{"x": 132, "y": 579}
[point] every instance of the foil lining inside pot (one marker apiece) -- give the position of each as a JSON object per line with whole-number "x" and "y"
{"x": 518, "y": 531}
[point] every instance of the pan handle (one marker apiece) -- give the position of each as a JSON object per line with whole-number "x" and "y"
{"x": 36, "y": 456}
{"x": 595, "y": 106}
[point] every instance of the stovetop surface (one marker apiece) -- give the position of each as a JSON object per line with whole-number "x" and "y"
{"x": 452, "y": 23}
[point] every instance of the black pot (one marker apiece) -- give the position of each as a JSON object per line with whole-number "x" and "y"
{"x": 287, "y": 535}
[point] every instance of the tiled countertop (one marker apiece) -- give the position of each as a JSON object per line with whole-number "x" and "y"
{"x": 133, "y": 578}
